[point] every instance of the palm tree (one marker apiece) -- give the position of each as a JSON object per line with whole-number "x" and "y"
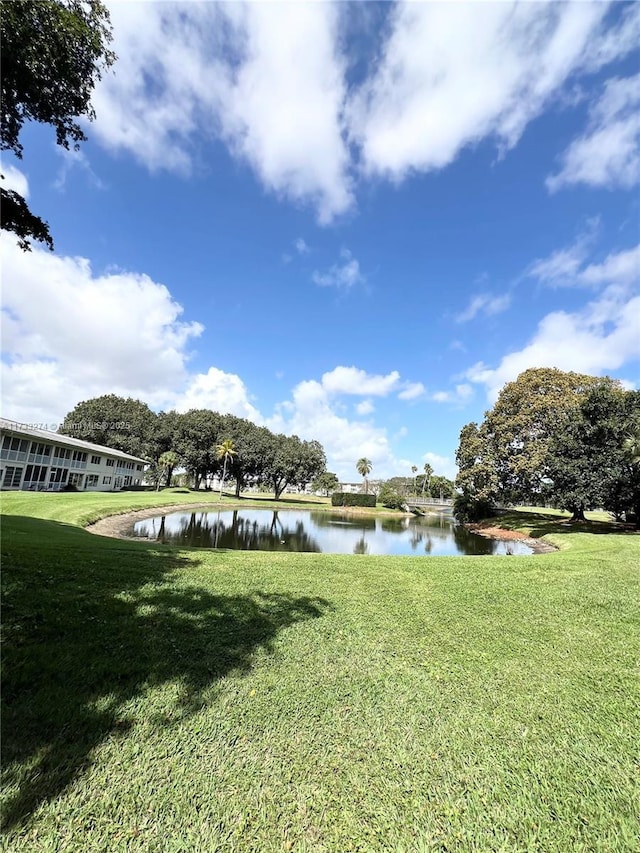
{"x": 166, "y": 463}
{"x": 414, "y": 471}
{"x": 363, "y": 467}
{"x": 428, "y": 471}
{"x": 225, "y": 451}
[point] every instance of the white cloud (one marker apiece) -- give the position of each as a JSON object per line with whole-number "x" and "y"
{"x": 443, "y": 466}
{"x": 484, "y": 303}
{"x": 75, "y": 160}
{"x": 352, "y": 380}
{"x": 452, "y": 74}
{"x": 568, "y": 268}
{"x": 14, "y": 180}
{"x": 219, "y": 391}
{"x": 441, "y": 78}
{"x": 602, "y": 337}
{"x": 563, "y": 266}
{"x": 310, "y": 414}
{"x": 460, "y": 394}
{"x": 622, "y": 268}
{"x": 608, "y": 153}
{"x": 411, "y": 391}
{"x": 365, "y": 407}
{"x": 189, "y": 72}
{"x": 69, "y": 334}
{"x": 314, "y": 411}
{"x": 621, "y": 38}
{"x": 343, "y": 276}
{"x": 301, "y": 246}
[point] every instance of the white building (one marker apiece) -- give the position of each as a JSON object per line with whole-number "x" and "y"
{"x": 38, "y": 460}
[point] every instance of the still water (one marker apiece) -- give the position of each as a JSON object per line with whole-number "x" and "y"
{"x": 308, "y": 530}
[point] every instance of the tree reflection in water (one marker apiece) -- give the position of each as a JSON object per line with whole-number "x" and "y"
{"x": 298, "y": 530}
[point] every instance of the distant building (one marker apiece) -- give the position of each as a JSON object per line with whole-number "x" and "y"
{"x": 373, "y": 487}
{"x": 37, "y": 460}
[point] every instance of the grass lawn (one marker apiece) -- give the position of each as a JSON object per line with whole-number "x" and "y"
{"x": 165, "y": 699}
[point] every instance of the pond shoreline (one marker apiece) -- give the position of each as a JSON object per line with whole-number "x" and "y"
{"x": 505, "y": 535}
{"x": 117, "y": 526}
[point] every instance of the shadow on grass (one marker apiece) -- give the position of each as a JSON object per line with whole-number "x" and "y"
{"x": 541, "y": 524}
{"x": 92, "y": 623}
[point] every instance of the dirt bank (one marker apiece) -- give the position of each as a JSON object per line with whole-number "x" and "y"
{"x": 118, "y": 525}
{"x": 484, "y": 529}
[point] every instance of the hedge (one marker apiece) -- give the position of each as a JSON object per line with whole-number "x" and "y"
{"x": 349, "y": 499}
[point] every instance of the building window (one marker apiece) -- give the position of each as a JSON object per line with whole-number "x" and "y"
{"x": 35, "y": 476}
{"x": 39, "y": 452}
{"x": 78, "y": 459}
{"x": 110, "y": 463}
{"x": 15, "y": 448}
{"x": 138, "y": 467}
{"x": 58, "y": 476}
{"x": 106, "y": 481}
{"x": 127, "y": 480}
{"x": 92, "y": 480}
{"x": 118, "y": 482}
{"x": 61, "y": 453}
{"x": 40, "y": 449}
{"x": 12, "y": 477}
{"x": 12, "y": 443}
{"x": 96, "y": 460}
{"x": 75, "y": 479}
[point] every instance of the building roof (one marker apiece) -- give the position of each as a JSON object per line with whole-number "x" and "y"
{"x": 32, "y": 431}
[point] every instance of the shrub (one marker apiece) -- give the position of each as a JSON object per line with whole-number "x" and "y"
{"x": 390, "y": 497}
{"x": 349, "y": 499}
{"x": 467, "y": 508}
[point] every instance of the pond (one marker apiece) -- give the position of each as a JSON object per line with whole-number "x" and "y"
{"x": 327, "y": 532}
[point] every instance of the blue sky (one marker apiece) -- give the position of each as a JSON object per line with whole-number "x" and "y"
{"x": 354, "y": 222}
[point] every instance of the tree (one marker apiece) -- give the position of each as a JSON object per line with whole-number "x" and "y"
{"x": 164, "y": 433}
{"x": 326, "y": 482}
{"x": 414, "y": 471}
{"x": 293, "y": 461}
{"x": 225, "y": 451}
{"x": 197, "y": 432}
{"x": 631, "y": 447}
{"x": 522, "y": 423}
{"x": 166, "y": 463}
{"x": 53, "y": 54}
{"x": 252, "y": 445}
{"x": 119, "y": 422}
{"x": 428, "y": 473}
{"x": 390, "y": 497}
{"x": 363, "y": 467}
{"x": 477, "y": 478}
{"x": 505, "y": 459}
{"x": 441, "y": 487}
{"x": 586, "y": 465}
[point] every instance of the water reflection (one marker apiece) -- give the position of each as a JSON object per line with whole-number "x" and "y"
{"x": 304, "y": 530}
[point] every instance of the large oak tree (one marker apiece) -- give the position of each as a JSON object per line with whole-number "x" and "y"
{"x": 550, "y": 435}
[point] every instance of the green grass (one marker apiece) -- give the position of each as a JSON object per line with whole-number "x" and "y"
{"x": 164, "y": 699}
{"x": 83, "y": 508}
